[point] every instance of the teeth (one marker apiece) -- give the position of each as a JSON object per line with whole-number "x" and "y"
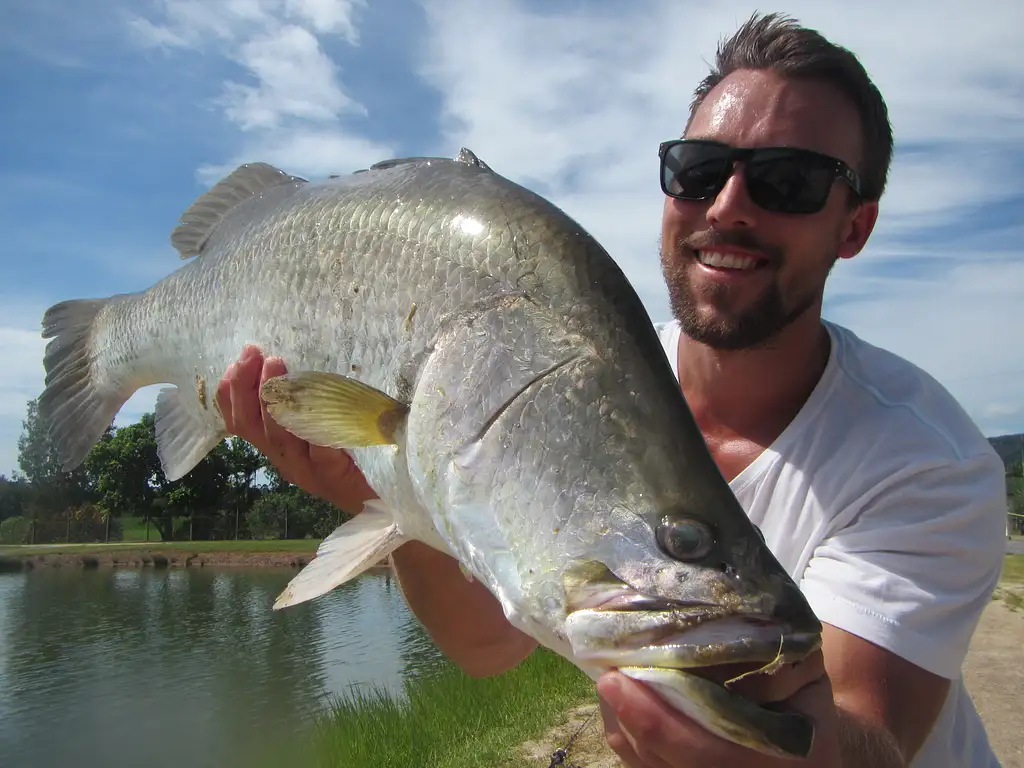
{"x": 726, "y": 260}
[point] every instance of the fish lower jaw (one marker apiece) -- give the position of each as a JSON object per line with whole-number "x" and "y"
{"x": 770, "y": 731}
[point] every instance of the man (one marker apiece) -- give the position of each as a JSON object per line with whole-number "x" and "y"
{"x": 869, "y": 482}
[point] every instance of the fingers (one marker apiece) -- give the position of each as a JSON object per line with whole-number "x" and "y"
{"x": 235, "y": 395}
{"x": 784, "y": 682}
{"x": 325, "y": 472}
{"x": 637, "y": 723}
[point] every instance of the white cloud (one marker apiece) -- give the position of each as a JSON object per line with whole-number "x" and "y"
{"x": 304, "y": 152}
{"x": 295, "y": 79}
{"x": 292, "y": 101}
{"x": 328, "y": 16}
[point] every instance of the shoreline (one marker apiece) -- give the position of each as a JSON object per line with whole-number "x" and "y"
{"x": 177, "y": 556}
{"x": 141, "y": 558}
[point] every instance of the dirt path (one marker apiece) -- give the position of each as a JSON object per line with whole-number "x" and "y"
{"x": 994, "y": 672}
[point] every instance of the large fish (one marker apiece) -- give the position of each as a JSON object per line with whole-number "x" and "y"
{"x": 501, "y": 387}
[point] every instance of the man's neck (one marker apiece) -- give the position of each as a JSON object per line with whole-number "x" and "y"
{"x": 753, "y": 394}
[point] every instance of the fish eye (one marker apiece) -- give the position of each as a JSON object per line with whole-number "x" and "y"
{"x": 684, "y": 539}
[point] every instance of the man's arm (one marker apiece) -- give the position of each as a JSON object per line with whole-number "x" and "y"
{"x": 463, "y": 618}
{"x": 885, "y": 705}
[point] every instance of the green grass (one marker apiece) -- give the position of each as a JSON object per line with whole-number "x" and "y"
{"x": 447, "y": 720}
{"x": 243, "y": 545}
{"x": 1013, "y": 569}
{"x": 134, "y": 529}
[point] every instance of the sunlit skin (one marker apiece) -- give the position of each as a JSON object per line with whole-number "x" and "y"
{"x": 742, "y": 400}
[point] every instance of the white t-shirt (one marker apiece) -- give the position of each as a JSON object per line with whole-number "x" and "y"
{"x": 887, "y": 505}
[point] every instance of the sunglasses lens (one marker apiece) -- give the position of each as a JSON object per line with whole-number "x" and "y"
{"x": 779, "y": 180}
{"x": 694, "y": 171}
{"x": 789, "y": 182}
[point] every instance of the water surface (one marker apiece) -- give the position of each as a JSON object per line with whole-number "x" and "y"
{"x": 177, "y": 667}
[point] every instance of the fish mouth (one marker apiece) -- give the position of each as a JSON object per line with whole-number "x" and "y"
{"x": 691, "y": 653}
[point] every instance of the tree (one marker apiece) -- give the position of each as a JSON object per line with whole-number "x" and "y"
{"x": 125, "y": 469}
{"x": 15, "y": 494}
{"x": 55, "y": 493}
{"x": 1015, "y": 495}
{"x": 292, "y": 513}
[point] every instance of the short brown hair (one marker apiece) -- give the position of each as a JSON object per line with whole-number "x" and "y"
{"x": 779, "y": 44}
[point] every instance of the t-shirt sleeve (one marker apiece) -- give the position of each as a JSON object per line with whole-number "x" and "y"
{"x": 913, "y": 569}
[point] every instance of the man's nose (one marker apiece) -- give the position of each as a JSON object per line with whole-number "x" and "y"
{"x": 732, "y": 207}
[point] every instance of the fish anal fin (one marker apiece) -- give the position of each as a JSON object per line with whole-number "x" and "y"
{"x": 183, "y": 436}
{"x": 352, "y": 548}
{"x": 212, "y": 207}
{"x": 333, "y": 410}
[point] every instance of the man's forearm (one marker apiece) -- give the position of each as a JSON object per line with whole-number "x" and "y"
{"x": 463, "y": 618}
{"x": 865, "y": 745}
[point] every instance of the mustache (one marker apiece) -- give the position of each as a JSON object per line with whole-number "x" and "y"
{"x": 710, "y": 238}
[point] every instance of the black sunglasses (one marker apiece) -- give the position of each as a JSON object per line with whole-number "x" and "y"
{"x": 779, "y": 179}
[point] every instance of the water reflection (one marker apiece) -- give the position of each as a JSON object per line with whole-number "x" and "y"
{"x": 107, "y": 668}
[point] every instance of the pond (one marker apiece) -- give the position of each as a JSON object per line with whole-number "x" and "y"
{"x": 185, "y": 666}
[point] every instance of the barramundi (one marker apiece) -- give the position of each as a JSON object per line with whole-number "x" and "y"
{"x": 501, "y": 386}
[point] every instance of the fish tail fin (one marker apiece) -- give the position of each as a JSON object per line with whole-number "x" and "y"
{"x": 75, "y": 406}
{"x": 352, "y": 548}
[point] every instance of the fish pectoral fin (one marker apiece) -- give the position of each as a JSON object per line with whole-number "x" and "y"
{"x": 352, "y": 548}
{"x": 183, "y": 436}
{"x": 212, "y": 207}
{"x": 333, "y": 410}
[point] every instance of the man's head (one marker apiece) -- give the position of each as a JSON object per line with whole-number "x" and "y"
{"x": 741, "y": 264}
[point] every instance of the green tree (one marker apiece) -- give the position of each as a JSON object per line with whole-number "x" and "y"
{"x": 1015, "y": 495}
{"x": 292, "y": 513}
{"x": 125, "y": 469}
{"x": 55, "y": 493}
{"x": 15, "y": 494}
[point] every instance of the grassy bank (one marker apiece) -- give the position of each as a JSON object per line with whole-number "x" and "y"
{"x": 242, "y": 545}
{"x": 1013, "y": 569}
{"x": 447, "y": 720}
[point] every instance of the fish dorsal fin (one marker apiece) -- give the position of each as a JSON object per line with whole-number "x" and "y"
{"x": 468, "y": 157}
{"x": 212, "y": 207}
{"x": 465, "y": 156}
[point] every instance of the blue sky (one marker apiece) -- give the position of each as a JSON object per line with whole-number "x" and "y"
{"x": 117, "y": 117}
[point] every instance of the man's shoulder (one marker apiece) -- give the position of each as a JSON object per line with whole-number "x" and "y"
{"x": 895, "y": 404}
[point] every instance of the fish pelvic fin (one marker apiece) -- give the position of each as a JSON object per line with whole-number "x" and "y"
{"x": 73, "y": 404}
{"x": 333, "y": 410}
{"x": 212, "y": 207}
{"x": 183, "y": 436}
{"x": 353, "y": 547}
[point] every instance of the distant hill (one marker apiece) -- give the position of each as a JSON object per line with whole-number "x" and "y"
{"x": 1009, "y": 447}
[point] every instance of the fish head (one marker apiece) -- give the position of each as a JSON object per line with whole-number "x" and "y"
{"x": 680, "y": 591}
{"x": 685, "y": 587}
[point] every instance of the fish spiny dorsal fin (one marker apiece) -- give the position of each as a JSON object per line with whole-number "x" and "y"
{"x": 212, "y": 207}
{"x": 468, "y": 157}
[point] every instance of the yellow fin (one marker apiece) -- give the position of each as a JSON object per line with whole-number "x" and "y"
{"x": 332, "y": 410}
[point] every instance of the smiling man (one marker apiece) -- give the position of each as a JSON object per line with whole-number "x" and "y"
{"x": 870, "y": 483}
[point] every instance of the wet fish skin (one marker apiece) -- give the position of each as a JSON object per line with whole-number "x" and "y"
{"x": 497, "y": 381}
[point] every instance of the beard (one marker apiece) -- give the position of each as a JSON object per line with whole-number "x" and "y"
{"x": 752, "y": 327}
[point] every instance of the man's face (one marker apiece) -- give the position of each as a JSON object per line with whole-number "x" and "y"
{"x": 775, "y": 263}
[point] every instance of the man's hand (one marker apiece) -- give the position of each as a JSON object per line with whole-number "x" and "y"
{"x": 463, "y": 618}
{"x": 646, "y": 732}
{"x": 325, "y": 472}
